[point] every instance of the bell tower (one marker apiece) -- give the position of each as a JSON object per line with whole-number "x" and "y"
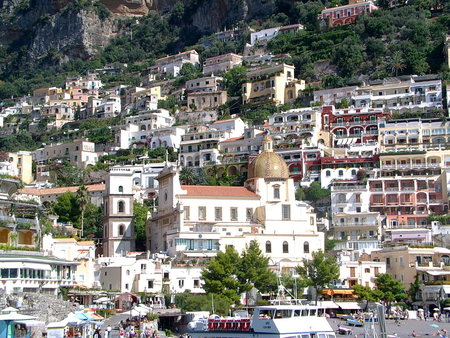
{"x": 118, "y": 220}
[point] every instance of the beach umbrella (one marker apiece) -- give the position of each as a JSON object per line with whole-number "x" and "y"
{"x": 420, "y": 310}
{"x": 434, "y": 325}
{"x": 436, "y": 309}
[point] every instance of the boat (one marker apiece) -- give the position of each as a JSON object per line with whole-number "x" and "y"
{"x": 272, "y": 321}
{"x": 355, "y": 322}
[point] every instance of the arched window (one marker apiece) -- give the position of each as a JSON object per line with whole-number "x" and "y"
{"x": 121, "y": 230}
{"x": 276, "y": 192}
{"x": 120, "y": 188}
{"x": 306, "y": 247}
{"x": 341, "y": 172}
{"x": 121, "y": 206}
{"x": 327, "y": 173}
{"x": 285, "y": 247}
{"x": 268, "y": 247}
{"x": 353, "y": 172}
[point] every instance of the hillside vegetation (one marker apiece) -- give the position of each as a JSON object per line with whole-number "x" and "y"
{"x": 405, "y": 40}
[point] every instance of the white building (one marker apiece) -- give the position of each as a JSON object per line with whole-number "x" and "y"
{"x": 353, "y": 224}
{"x": 197, "y": 221}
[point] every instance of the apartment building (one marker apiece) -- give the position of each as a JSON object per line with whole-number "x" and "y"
{"x": 409, "y": 187}
{"x": 20, "y": 164}
{"x": 297, "y": 126}
{"x": 172, "y": 64}
{"x": 235, "y": 153}
{"x": 273, "y": 83}
{"x": 345, "y": 15}
{"x": 353, "y": 223}
{"x": 221, "y": 63}
{"x": 109, "y": 107}
{"x": 89, "y": 82}
{"x": 79, "y": 152}
{"x": 332, "y": 96}
{"x": 200, "y": 143}
{"x": 353, "y": 125}
{"x": 345, "y": 163}
{"x": 416, "y": 94}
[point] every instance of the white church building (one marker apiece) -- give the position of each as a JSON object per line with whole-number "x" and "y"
{"x": 194, "y": 222}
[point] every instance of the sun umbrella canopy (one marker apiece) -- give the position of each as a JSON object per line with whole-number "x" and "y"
{"x": 434, "y": 325}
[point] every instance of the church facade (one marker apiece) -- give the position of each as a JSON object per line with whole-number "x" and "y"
{"x": 194, "y": 222}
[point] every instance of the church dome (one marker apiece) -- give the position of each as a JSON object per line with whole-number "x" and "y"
{"x": 268, "y": 164}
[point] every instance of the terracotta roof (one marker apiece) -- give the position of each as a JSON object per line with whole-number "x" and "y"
{"x": 205, "y": 190}
{"x": 86, "y": 243}
{"x": 65, "y": 240}
{"x": 266, "y": 124}
{"x": 228, "y": 120}
{"x": 234, "y": 139}
{"x": 58, "y": 191}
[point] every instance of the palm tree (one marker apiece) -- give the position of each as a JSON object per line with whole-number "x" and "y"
{"x": 187, "y": 175}
{"x": 397, "y": 63}
{"x": 83, "y": 200}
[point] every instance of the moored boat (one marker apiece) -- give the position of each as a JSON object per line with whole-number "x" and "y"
{"x": 274, "y": 321}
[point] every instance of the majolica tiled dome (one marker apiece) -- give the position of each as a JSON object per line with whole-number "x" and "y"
{"x": 268, "y": 164}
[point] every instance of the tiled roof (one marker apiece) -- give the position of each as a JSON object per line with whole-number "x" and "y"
{"x": 204, "y": 190}
{"x": 65, "y": 240}
{"x": 228, "y": 120}
{"x": 86, "y": 243}
{"x": 234, "y": 139}
{"x": 57, "y": 191}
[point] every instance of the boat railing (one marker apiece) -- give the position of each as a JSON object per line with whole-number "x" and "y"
{"x": 229, "y": 324}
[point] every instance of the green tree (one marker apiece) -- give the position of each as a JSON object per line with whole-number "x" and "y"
{"x": 315, "y": 192}
{"x": 233, "y": 80}
{"x": 213, "y": 303}
{"x": 140, "y": 213}
{"x": 391, "y": 289}
{"x": 300, "y": 194}
{"x": 396, "y": 62}
{"x": 367, "y": 294}
{"x": 319, "y": 271}
{"x": 67, "y": 208}
{"x": 82, "y": 199}
{"x": 220, "y": 275}
{"x": 93, "y": 221}
{"x": 414, "y": 289}
{"x": 254, "y": 270}
{"x": 187, "y": 175}
{"x": 348, "y": 56}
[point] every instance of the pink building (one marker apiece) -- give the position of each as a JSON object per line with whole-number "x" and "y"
{"x": 345, "y": 15}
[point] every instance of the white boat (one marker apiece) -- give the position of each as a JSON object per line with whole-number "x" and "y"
{"x": 271, "y": 321}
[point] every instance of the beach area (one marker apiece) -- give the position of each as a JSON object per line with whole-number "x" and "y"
{"x": 403, "y": 329}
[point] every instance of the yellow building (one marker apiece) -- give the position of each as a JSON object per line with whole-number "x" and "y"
{"x": 272, "y": 84}
{"x": 22, "y": 162}
{"x": 147, "y": 91}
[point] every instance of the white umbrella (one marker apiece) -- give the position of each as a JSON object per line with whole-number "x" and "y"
{"x": 141, "y": 310}
{"x": 420, "y": 310}
{"x": 133, "y": 313}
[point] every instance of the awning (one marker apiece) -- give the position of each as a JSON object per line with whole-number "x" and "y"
{"x": 56, "y": 325}
{"x": 348, "y": 305}
{"x": 438, "y": 273}
{"x": 31, "y": 322}
{"x": 331, "y": 292}
{"x": 34, "y": 266}
{"x": 340, "y": 141}
{"x": 201, "y": 254}
{"x": 101, "y": 300}
{"x": 327, "y": 304}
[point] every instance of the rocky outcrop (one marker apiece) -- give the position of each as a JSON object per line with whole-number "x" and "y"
{"x": 58, "y": 27}
{"x": 75, "y": 34}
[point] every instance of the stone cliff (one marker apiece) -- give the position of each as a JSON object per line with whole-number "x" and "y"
{"x": 44, "y": 26}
